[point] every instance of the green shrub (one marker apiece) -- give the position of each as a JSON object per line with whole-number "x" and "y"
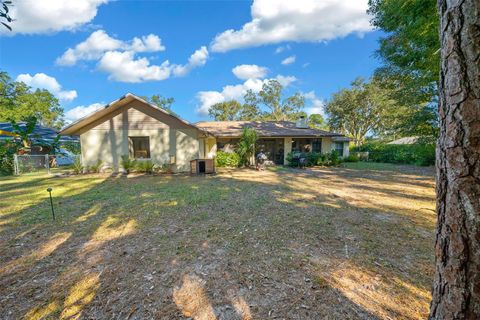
{"x": 293, "y": 158}
{"x": 128, "y": 164}
{"x": 332, "y": 158}
{"x": 146, "y": 166}
{"x": 77, "y": 166}
{"x": 351, "y": 158}
{"x": 418, "y": 154}
{"x": 96, "y": 168}
{"x": 7, "y": 150}
{"x": 315, "y": 159}
{"x": 227, "y": 159}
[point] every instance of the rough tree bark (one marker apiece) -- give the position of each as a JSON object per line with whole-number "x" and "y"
{"x": 456, "y": 288}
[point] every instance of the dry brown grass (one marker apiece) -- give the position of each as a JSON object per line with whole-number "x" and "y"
{"x": 332, "y": 243}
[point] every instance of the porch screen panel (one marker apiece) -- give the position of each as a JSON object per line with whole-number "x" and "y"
{"x": 317, "y": 145}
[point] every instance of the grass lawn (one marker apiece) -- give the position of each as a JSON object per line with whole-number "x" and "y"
{"x": 352, "y": 242}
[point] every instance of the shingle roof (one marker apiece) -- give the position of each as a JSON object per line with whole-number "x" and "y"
{"x": 39, "y": 133}
{"x": 263, "y": 128}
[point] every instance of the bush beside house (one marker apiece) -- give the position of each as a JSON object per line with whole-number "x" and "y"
{"x": 314, "y": 159}
{"x": 418, "y": 154}
{"x": 227, "y": 159}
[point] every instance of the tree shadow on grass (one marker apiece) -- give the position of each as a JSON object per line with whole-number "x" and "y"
{"x": 125, "y": 247}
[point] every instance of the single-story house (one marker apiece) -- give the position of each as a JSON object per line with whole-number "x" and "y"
{"x": 277, "y": 138}
{"x": 132, "y": 126}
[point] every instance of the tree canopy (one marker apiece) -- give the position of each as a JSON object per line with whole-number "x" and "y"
{"x": 277, "y": 108}
{"x": 267, "y": 104}
{"x": 5, "y": 14}
{"x": 410, "y": 55}
{"x": 226, "y": 111}
{"x": 18, "y": 102}
{"x": 364, "y": 108}
{"x": 317, "y": 121}
{"x": 161, "y": 102}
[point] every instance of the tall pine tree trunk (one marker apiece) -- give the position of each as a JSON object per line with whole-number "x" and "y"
{"x": 456, "y": 288}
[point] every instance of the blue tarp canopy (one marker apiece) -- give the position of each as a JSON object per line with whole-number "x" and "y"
{"x": 40, "y": 133}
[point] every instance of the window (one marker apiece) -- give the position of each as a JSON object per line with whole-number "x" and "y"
{"x": 302, "y": 145}
{"x": 139, "y": 147}
{"x": 317, "y": 145}
{"x": 339, "y": 148}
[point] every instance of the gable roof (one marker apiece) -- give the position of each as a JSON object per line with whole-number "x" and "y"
{"x": 39, "y": 132}
{"x": 263, "y": 128}
{"x": 115, "y": 105}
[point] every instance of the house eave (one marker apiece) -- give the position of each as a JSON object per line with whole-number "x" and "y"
{"x": 74, "y": 127}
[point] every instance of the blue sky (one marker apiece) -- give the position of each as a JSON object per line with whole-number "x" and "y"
{"x": 328, "y": 43}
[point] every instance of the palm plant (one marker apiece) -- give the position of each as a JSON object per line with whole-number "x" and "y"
{"x": 246, "y": 146}
{"x": 127, "y": 163}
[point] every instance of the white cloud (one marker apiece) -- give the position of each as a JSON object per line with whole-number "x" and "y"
{"x": 118, "y": 58}
{"x": 123, "y": 67}
{"x": 81, "y": 111}
{"x": 33, "y": 16}
{"x": 207, "y": 99}
{"x": 280, "y": 49}
{"x": 275, "y": 21}
{"x": 289, "y": 60}
{"x": 99, "y": 42}
{"x": 314, "y": 104}
{"x": 285, "y": 80}
{"x": 249, "y": 71}
{"x": 43, "y": 81}
{"x": 150, "y": 43}
{"x": 235, "y": 92}
{"x": 197, "y": 59}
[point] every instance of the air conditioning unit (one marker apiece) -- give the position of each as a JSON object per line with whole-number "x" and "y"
{"x": 302, "y": 123}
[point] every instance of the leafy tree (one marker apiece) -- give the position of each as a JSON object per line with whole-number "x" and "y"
{"x": 410, "y": 55}
{"x": 364, "y": 108}
{"x": 419, "y": 115}
{"x": 246, "y": 146}
{"x": 72, "y": 146}
{"x": 287, "y": 109}
{"x": 264, "y": 105}
{"x": 250, "y": 110}
{"x": 317, "y": 121}
{"x": 19, "y": 144}
{"x": 226, "y": 111}
{"x": 5, "y": 13}
{"x": 233, "y": 110}
{"x": 25, "y": 133}
{"x": 18, "y": 102}
{"x": 161, "y": 102}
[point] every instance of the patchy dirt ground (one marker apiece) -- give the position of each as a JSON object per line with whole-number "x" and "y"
{"x": 330, "y": 243}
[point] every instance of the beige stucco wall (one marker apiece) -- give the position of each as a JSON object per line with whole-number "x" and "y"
{"x": 346, "y": 149}
{"x": 107, "y": 140}
{"x": 327, "y": 145}
{"x": 211, "y": 148}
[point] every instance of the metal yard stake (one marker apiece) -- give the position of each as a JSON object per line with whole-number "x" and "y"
{"x": 51, "y": 202}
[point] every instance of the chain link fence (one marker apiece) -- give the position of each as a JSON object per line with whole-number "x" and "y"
{"x": 27, "y": 163}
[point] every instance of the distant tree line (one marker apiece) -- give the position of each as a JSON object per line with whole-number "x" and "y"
{"x": 269, "y": 104}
